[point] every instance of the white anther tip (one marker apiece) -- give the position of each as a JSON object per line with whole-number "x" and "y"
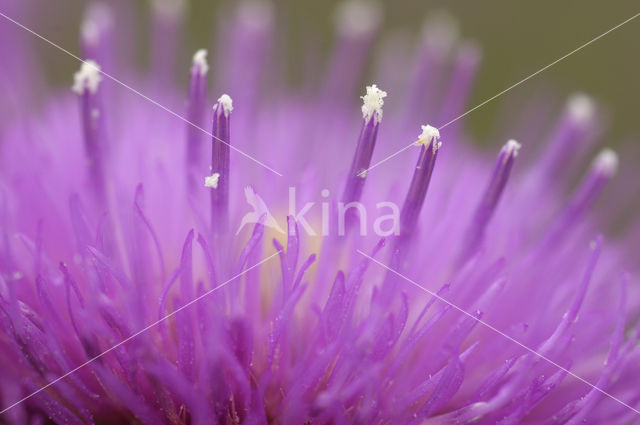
{"x": 512, "y": 147}
{"x": 429, "y": 135}
{"x": 372, "y": 103}
{"x": 226, "y": 103}
{"x": 200, "y": 61}
{"x": 212, "y": 180}
{"x": 90, "y": 31}
{"x": 581, "y": 107}
{"x": 358, "y": 18}
{"x": 98, "y": 18}
{"x": 256, "y": 15}
{"x": 440, "y": 30}
{"x": 169, "y": 8}
{"x": 87, "y": 78}
{"x": 606, "y": 162}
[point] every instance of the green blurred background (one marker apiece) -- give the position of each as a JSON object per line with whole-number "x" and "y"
{"x": 517, "y": 38}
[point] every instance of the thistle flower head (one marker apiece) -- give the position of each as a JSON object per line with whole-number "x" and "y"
{"x": 303, "y": 283}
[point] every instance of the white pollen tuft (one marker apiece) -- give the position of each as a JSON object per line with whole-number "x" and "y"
{"x": 512, "y": 147}
{"x": 606, "y": 162}
{"x": 357, "y": 18}
{"x": 581, "y": 108}
{"x": 429, "y": 134}
{"x": 200, "y": 61}
{"x": 372, "y": 103}
{"x": 212, "y": 180}
{"x": 88, "y": 78}
{"x": 226, "y": 103}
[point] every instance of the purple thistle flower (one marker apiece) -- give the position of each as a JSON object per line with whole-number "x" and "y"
{"x": 134, "y": 288}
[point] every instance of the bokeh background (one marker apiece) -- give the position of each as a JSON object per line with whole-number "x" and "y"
{"x": 517, "y": 38}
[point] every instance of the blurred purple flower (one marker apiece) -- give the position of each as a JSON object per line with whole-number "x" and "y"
{"x": 114, "y": 213}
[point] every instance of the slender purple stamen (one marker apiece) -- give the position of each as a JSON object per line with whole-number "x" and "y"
{"x": 429, "y": 146}
{"x": 372, "y": 116}
{"x": 439, "y": 35}
{"x": 490, "y": 199}
{"x": 569, "y": 135}
{"x": 604, "y": 166}
{"x": 356, "y": 22}
{"x": 168, "y": 16}
{"x": 248, "y": 39}
{"x": 86, "y": 82}
{"x": 96, "y": 34}
{"x": 220, "y": 165}
{"x": 196, "y": 112}
{"x": 464, "y": 72}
